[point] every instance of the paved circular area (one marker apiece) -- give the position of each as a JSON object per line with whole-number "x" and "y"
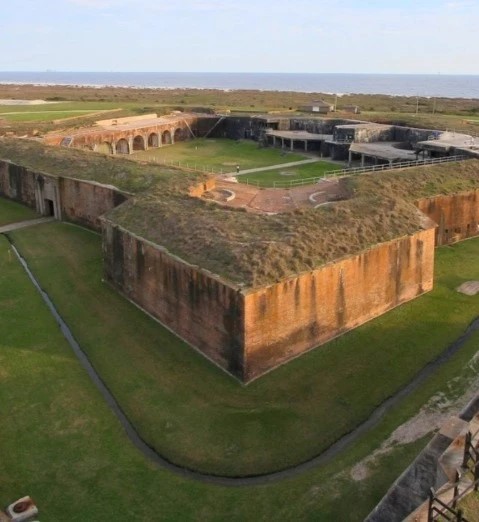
{"x": 277, "y": 200}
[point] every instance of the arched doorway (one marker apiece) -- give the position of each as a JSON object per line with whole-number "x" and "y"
{"x": 104, "y": 148}
{"x": 166, "y": 138}
{"x": 180, "y": 135}
{"x": 138, "y": 143}
{"x": 122, "y": 147}
{"x": 153, "y": 140}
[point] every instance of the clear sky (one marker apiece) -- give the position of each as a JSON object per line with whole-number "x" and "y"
{"x": 370, "y": 36}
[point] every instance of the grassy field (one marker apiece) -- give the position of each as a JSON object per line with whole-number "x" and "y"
{"x": 471, "y": 507}
{"x": 426, "y": 120}
{"x": 256, "y": 428}
{"x": 61, "y": 444}
{"x": 42, "y": 115}
{"x": 438, "y": 113}
{"x": 11, "y": 212}
{"x": 81, "y": 113}
{"x": 270, "y": 178}
{"x": 219, "y": 155}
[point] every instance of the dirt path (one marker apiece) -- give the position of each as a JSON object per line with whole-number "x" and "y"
{"x": 23, "y": 224}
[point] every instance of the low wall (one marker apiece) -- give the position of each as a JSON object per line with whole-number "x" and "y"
{"x": 201, "y": 309}
{"x": 457, "y": 215}
{"x": 291, "y": 317}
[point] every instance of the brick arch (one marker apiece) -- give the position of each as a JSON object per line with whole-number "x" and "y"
{"x": 180, "y": 134}
{"x": 153, "y": 140}
{"x": 105, "y": 147}
{"x": 166, "y": 137}
{"x": 122, "y": 146}
{"x": 139, "y": 142}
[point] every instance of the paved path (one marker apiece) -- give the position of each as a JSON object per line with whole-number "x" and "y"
{"x": 23, "y": 224}
{"x": 274, "y": 167}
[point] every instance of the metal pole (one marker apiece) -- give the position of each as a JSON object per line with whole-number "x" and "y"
{"x": 467, "y": 446}
{"x": 430, "y": 509}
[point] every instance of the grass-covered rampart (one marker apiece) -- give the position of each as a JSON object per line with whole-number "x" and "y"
{"x": 245, "y": 248}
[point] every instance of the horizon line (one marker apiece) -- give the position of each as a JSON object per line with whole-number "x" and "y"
{"x": 43, "y": 71}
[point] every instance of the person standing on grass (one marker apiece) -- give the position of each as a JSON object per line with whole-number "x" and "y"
{"x": 237, "y": 169}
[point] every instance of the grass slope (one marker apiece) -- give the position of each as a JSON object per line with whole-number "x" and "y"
{"x": 11, "y": 212}
{"x": 198, "y": 416}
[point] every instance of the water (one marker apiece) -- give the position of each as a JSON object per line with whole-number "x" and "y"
{"x": 439, "y": 85}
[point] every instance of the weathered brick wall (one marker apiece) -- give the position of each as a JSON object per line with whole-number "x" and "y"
{"x": 291, "y": 317}
{"x": 81, "y": 202}
{"x": 457, "y": 215}
{"x": 84, "y": 202}
{"x": 201, "y": 309}
{"x": 17, "y": 183}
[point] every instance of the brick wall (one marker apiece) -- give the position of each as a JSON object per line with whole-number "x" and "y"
{"x": 291, "y": 317}
{"x": 201, "y": 309}
{"x": 80, "y": 202}
{"x": 83, "y": 202}
{"x": 457, "y": 215}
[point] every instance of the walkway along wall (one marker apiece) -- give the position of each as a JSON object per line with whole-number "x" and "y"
{"x": 81, "y": 202}
{"x": 457, "y": 215}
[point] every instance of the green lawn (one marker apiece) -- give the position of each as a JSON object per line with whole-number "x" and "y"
{"x": 175, "y": 396}
{"x": 57, "y": 111}
{"x": 43, "y": 116}
{"x": 470, "y": 505}
{"x": 281, "y": 177}
{"x": 11, "y": 212}
{"x": 61, "y": 444}
{"x": 218, "y": 154}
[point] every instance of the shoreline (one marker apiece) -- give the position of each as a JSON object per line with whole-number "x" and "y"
{"x": 226, "y": 90}
{"x": 446, "y": 86}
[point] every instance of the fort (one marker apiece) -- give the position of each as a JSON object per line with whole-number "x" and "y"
{"x": 253, "y": 289}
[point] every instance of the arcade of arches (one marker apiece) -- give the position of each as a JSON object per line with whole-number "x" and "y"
{"x": 142, "y": 142}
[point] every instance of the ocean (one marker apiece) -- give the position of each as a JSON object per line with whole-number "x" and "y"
{"x": 437, "y": 85}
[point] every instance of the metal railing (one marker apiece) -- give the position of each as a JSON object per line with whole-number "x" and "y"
{"x": 186, "y": 165}
{"x": 354, "y": 171}
{"x": 439, "y": 509}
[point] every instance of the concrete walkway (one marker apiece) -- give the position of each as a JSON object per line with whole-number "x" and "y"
{"x": 274, "y": 167}
{"x": 25, "y": 224}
